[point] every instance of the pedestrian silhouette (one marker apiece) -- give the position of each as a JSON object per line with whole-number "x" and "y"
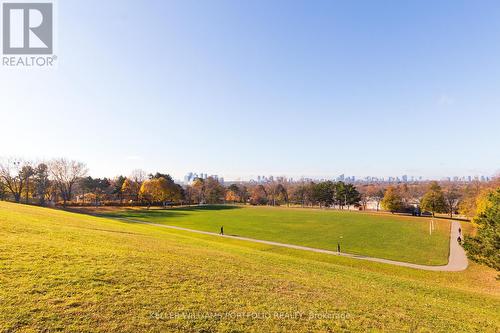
{"x": 338, "y": 248}
{"x": 222, "y": 230}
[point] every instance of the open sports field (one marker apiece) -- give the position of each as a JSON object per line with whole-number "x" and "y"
{"x": 385, "y": 236}
{"x": 62, "y": 271}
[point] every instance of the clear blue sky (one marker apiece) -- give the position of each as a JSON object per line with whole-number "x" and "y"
{"x": 240, "y": 88}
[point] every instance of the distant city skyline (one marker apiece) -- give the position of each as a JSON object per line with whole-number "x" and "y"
{"x": 191, "y": 176}
{"x": 181, "y": 176}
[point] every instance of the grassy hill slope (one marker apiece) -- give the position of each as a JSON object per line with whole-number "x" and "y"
{"x": 64, "y": 271}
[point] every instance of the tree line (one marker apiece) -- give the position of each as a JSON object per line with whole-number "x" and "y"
{"x": 434, "y": 197}
{"x": 40, "y": 182}
{"x": 66, "y": 182}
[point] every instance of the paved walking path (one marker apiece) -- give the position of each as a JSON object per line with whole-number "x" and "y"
{"x": 457, "y": 260}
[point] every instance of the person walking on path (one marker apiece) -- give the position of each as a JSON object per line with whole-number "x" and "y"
{"x": 222, "y": 230}
{"x": 457, "y": 260}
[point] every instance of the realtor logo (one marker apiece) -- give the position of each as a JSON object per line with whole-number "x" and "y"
{"x": 27, "y": 28}
{"x": 28, "y": 34}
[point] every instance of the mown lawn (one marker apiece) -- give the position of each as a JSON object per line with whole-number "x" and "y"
{"x": 61, "y": 271}
{"x": 383, "y": 236}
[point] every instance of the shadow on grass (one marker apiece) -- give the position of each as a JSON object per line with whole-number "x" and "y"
{"x": 165, "y": 213}
{"x": 206, "y": 207}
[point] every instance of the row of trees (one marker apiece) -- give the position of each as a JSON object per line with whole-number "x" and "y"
{"x": 65, "y": 181}
{"x": 447, "y": 198}
{"x": 434, "y": 199}
{"x": 322, "y": 194}
{"x": 62, "y": 181}
{"x": 42, "y": 182}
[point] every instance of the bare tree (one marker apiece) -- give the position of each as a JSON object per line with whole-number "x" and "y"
{"x": 272, "y": 191}
{"x": 365, "y": 195}
{"x": 416, "y": 193}
{"x": 138, "y": 176}
{"x": 452, "y": 197}
{"x": 376, "y": 193}
{"x": 65, "y": 174}
{"x": 11, "y": 175}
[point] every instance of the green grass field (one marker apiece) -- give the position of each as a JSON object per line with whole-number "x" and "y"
{"x": 62, "y": 271}
{"x": 378, "y": 235}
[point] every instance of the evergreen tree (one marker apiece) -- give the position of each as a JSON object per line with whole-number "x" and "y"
{"x": 485, "y": 246}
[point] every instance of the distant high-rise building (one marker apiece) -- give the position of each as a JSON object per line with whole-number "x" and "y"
{"x": 188, "y": 177}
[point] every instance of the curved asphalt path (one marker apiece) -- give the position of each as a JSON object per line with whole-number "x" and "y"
{"x": 457, "y": 260}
